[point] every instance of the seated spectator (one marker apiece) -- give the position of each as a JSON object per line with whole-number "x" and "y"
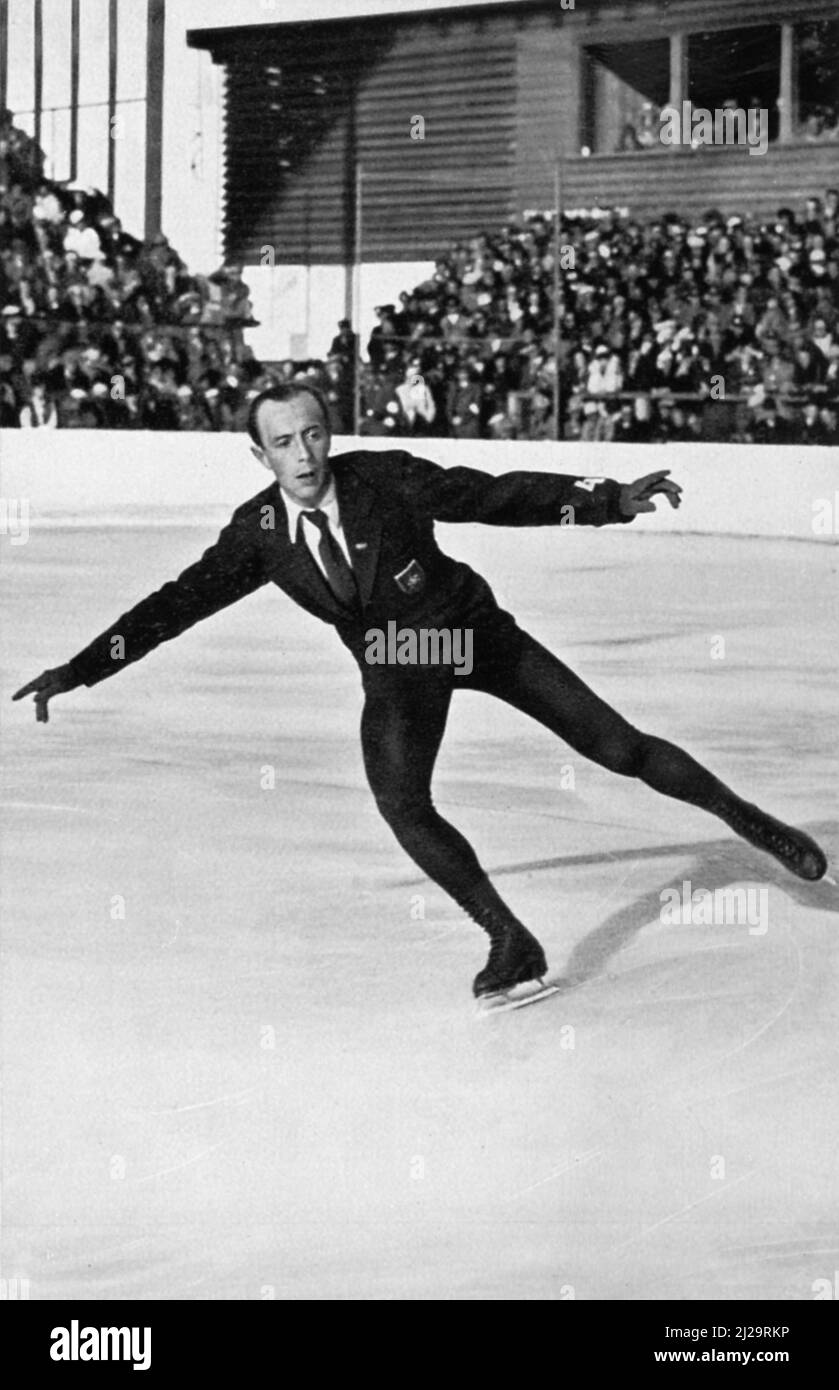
{"x": 629, "y": 139}
{"x": 649, "y": 127}
{"x": 82, "y": 239}
{"x": 626, "y": 429}
{"x": 605, "y": 377}
{"x": 777, "y": 376}
{"x": 771, "y": 425}
{"x": 383, "y": 333}
{"x": 501, "y": 426}
{"x": 46, "y": 207}
{"x": 345, "y": 344}
{"x": 822, "y": 337}
{"x": 229, "y": 297}
{"x": 463, "y": 406}
{"x": 380, "y": 408}
{"x": 812, "y": 429}
{"x": 338, "y": 392}
{"x": 829, "y": 420}
{"x": 417, "y": 408}
{"x": 809, "y": 365}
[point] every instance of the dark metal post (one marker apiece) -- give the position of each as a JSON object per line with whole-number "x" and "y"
{"x": 112, "y": 98}
{"x": 557, "y": 316}
{"x": 154, "y": 114}
{"x": 788, "y": 93}
{"x": 356, "y": 314}
{"x": 4, "y": 51}
{"x": 75, "y": 50}
{"x": 38, "y": 19}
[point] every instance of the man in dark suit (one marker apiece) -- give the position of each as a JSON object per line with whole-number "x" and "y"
{"x": 351, "y": 540}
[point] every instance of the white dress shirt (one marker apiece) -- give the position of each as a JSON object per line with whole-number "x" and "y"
{"x": 329, "y": 505}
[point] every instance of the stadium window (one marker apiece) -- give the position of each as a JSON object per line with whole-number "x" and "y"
{"x": 738, "y": 68}
{"x": 817, "y": 52}
{"x": 625, "y": 86}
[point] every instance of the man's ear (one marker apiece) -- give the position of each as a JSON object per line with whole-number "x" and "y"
{"x": 259, "y": 454}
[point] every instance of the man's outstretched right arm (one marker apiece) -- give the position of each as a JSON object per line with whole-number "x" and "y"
{"x": 230, "y": 569}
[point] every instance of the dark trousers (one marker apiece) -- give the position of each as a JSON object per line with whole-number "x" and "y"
{"x": 405, "y": 716}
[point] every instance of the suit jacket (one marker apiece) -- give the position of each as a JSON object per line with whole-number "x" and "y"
{"x": 388, "y": 502}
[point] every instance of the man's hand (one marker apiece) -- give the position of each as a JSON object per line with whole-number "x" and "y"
{"x": 43, "y": 687}
{"x": 637, "y": 497}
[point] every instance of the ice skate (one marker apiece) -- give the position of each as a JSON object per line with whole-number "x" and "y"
{"x": 515, "y": 957}
{"x": 792, "y": 848}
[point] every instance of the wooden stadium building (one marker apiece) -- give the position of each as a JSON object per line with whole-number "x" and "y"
{"x": 458, "y": 119}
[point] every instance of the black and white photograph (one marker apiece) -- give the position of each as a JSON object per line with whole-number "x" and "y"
{"x": 419, "y": 506}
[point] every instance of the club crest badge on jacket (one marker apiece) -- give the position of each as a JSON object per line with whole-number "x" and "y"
{"x": 412, "y": 578}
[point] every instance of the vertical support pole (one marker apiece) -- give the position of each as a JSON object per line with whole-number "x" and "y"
{"x": 351, "y": 234}
{"x": 352, "y": 224}
{"x": 307, "y": 254}
{"x": 356, "y": 312}
{"x": 75, "y": 51}
{"x": 4, "y": 52}
{"x": 154, "y": 115}
{"x": 38, "y": 20}
{"x": 557, "y": 313}
{"x": 788, "y": 94}
{"x": 678, "y": 71}
{"x": 112, "y": 99}
{"x": 586, "y": 124}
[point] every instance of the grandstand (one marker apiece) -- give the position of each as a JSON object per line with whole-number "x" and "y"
{"x": 623, "y": 319}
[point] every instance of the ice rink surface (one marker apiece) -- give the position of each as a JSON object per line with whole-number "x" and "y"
{"x": 240, "y": 1055}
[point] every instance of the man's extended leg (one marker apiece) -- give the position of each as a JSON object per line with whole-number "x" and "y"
{"x": 539, "y": 684}
{"x": 402, "y": 726}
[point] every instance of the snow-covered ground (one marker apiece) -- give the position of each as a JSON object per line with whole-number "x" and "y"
{"x": 240, "y": 1057}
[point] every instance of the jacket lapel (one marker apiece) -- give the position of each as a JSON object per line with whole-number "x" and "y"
{"x": 362, "y": 527}
{"x": 297, "y": 572}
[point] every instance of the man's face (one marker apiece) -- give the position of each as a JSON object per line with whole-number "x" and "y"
{"x": 295, "y": 447}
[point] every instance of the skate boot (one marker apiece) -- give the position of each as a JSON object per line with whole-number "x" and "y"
{"x": 792, "y": 848}
{"x": 515, "y": 955}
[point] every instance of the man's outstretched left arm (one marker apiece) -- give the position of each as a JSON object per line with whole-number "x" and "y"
{"x": 531, "y": 499}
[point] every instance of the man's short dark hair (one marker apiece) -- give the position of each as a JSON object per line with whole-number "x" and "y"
{"x": 286, "y": 391}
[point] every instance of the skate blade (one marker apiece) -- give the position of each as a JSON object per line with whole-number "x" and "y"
{"x": 532, "y": 992}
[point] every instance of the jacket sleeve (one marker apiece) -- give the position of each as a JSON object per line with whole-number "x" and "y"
{"x": 513, "y": 499}
{"x": 227, "y": 571}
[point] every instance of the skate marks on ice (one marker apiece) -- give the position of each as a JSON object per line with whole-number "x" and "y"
{"x": 520, "y": 997}
{"x": 746, "y": 1050}
{"x": 717, "y": 865}
{"x": 703, "y": 1078}
{"x": 763, "y": 1099}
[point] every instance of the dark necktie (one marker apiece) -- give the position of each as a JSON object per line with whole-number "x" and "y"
{"x": 338, "y": 570}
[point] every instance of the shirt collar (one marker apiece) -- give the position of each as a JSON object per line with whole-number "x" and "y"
{"x": 328, "y": 504}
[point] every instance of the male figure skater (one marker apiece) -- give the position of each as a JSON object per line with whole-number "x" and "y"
{"x": 351, "y": 539}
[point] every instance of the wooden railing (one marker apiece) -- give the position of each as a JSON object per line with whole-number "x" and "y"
{"x": 650, "y": 182}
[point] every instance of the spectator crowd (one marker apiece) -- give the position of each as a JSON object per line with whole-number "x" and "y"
{"x": 723, "y": 329}
{"x": 98, "y": 328}
{"x": 726, "y": 328}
